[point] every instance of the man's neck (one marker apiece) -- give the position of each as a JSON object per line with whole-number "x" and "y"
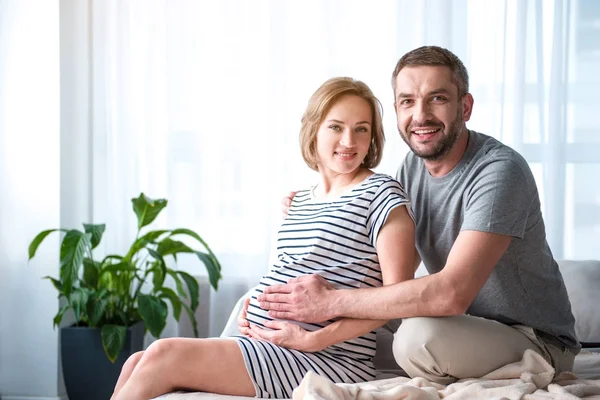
{"x": 443, "y": 166}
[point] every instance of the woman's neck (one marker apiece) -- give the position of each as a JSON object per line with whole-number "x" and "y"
{"x": 335, "y": 185}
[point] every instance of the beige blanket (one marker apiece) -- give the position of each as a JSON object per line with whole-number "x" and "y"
{"x": 532, "y": 378}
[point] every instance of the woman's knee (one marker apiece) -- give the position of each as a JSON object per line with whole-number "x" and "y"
{"x": 161, "y": 347}
{"x": 159, "y": 352}
{"x": 133, "y": 360}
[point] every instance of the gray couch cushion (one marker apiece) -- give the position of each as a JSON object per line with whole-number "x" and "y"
{"x": 582, "y": 279}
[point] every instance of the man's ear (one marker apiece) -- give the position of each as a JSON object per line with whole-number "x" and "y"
{"x": 467, "y": 106}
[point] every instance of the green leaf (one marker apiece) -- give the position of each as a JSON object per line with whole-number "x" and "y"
{"x": 193, "y": 289}
{"x": 154, "y": 313}
{"x": 90, "y": 272}
{"x": 189, "y": 232}
{"x": 113, "y": 338}
{"x": 78, "y": 301}
{"x": 119, "y": 267}
{"x": 192, "y": 317}
{"x": 111, "y": 257}
{"x": 96, "y": 306}
{"x": 142, "y": 242}
{"x": 175, "y": 301}
{"x": 96, "y": 230}
{"x": 59, "y": 315}
{"x": 55, "y": 282}
{"x": 151, "y": 236}
{"x": 214, "y": 272}
{"x": 169, "y": 246}
{"x": 35, "y": 243}
{"x": 158, "y": 275}
{"x": 147, "y": 209}
{"x": 123, "y": 317}
{"x": 178, "y": 283}
{"x": 106, "y": 281}
{"x": 72, "y": 250}
{"x": 161, "y": 265}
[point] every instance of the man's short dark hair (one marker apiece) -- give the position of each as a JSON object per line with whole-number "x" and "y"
{"x": 435, "y": 56}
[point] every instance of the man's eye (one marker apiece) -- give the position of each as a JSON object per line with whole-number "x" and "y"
{"x": 406, "y": 102}
{"x": 439, "y": 98}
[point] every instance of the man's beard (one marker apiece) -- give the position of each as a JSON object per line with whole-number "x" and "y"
{"x": 445, "y": 144}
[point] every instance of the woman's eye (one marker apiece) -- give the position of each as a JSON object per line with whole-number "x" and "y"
{"x": 362, "y": 129}
{"x": 335, "y": 127}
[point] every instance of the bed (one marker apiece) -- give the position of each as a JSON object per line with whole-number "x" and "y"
{"x": 529, "y": 379}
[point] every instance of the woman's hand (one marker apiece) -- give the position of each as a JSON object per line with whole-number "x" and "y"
{"x": 243, "y": 324}
{"x": 286, "y": 334}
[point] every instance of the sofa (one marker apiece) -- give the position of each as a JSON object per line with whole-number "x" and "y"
{"x": 582, "y": 279}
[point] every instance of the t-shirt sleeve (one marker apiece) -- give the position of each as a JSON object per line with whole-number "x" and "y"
{"x": 388, "y": 196}
{"x": 499, "y": 199}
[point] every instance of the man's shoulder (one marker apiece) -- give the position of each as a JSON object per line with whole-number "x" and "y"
{"x": 490, "y": 151}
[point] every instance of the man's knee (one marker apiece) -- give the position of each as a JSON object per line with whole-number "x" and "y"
{"x": 418, "y": 346}
{"x": 412, "y": 335}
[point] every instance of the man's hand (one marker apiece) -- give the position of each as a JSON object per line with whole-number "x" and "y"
{"x": 286, "y": 202}
{"x": 243, "y": 324}
{"x": 285, "y": 334}
{"x": 307, "y": 298}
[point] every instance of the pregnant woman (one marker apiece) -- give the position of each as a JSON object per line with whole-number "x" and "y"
{"x": 354, "y": 228}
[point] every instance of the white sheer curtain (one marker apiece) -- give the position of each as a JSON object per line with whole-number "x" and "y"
{"x": 29, "y": 196}
{"x": 200, "y": 102}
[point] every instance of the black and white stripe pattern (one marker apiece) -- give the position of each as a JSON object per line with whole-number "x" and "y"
{"x": 336, "y": 240}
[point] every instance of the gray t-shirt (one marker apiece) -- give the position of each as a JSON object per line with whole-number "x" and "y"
{"x": 493, "y": 190}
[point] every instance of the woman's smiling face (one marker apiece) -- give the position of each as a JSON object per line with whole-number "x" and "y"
{"x": 344, "y": 136}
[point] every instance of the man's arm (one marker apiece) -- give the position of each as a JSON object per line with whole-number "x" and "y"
{"x": 448, "y": 292}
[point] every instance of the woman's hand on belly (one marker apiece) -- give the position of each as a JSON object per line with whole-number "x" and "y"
{"x": 243, "y": 324}
{"x": 286, "y": 334}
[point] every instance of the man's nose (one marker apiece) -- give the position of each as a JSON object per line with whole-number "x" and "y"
{"x": 421, "y": 112}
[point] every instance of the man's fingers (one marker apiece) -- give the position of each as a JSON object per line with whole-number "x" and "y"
{"x": 301, "y": 278}
{"x": 274, "y": 305}
{"x": 275, "y": 289}
{"x": 287, "y": 201}
{"x": 283, "y": 315}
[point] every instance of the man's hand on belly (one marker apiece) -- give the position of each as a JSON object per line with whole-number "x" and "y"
{"x": 308, "y": 298}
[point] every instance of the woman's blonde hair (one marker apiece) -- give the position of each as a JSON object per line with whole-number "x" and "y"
{"x": 319, "y": 105}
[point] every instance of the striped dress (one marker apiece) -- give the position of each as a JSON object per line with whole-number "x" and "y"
{"x": 335, "y": 239}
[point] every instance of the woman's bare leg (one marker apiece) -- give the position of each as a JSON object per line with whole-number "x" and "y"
{"x": 126, "y": 371}
{"x": 209, "y": 365}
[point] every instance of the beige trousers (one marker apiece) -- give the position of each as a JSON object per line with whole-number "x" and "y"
{"x": 445, "y": 349}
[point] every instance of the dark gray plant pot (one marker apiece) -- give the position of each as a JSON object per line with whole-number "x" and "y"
{"x": 87, "y": 372}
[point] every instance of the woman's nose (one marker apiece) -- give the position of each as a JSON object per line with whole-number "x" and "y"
{"x": 348, "y": 139}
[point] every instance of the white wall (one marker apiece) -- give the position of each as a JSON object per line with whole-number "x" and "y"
{"x": 29, "y": 196}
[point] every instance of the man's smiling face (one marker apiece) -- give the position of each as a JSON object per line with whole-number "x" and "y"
{"x": 429, "y": 110}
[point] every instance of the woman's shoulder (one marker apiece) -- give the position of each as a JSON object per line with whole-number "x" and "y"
{"x": 384, "y": 182}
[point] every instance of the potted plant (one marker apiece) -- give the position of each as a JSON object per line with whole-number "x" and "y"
{"x": 116, "y": 298}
